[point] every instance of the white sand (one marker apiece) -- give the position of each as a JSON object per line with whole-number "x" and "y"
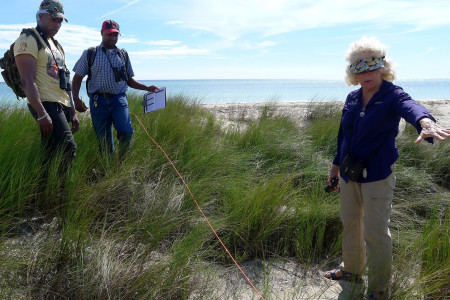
{"x": 236, "y": 112}
{"x": 280, "y": 280}
{"x": 440, "y": 111}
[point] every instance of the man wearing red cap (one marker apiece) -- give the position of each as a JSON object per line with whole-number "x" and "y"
{"x": 109, "y": 76}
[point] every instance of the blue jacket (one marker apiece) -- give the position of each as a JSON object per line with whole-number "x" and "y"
{"x": 372, "y": 133}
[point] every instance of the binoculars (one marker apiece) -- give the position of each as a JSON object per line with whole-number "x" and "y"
{"x": 120, "y": 74}
{"x": 64, "y": 79}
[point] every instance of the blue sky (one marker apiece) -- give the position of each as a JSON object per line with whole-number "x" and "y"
{"x": 240, "y": 39}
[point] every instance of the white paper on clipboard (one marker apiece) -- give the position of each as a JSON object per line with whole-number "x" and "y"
{"x": 154, "y": 100}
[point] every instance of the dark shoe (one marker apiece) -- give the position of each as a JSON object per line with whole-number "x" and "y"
{"x": 347, "y": 276}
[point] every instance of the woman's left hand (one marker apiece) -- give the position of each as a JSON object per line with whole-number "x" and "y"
{"x": 432, "y": 129}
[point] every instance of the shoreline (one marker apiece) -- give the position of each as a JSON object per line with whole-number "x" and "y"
{"x": 231, "y": 112}
{"x": 234, "y": 111}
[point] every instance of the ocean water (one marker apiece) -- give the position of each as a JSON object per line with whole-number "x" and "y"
{"x": 263, "y": 90}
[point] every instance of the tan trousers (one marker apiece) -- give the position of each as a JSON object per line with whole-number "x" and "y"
{"x": 365, "y": 214}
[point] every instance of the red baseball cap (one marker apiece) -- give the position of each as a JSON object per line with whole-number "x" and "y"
{"x": 110, "y": 26}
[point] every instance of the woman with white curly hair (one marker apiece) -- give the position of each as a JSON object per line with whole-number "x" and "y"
{"x": 366, "y": 153}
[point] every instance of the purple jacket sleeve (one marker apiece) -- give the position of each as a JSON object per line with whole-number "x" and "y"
{"x": 412, "y": 111}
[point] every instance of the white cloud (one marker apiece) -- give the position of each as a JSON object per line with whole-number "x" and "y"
{"x": 234, "y": 19}
{"x": 163, "y": 43}
{"x": 17, "y": 27}
{"x": 118, "y": 10}
{"x": 174, "y": 22}
{"x": 9, "y": 33}
{"x": 7, "y": 38}
{"x": 427, "y": 51}
{"x": 161, "y": 53}
{"x": 76, "y": 38}
{"x": 257, "y": 45}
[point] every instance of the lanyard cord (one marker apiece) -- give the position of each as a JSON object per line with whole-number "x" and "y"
{"x": 41, "y": 33}
{"x": 107, "y": 56}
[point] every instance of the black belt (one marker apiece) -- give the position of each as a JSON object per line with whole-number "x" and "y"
{"x": 104, "y": 95}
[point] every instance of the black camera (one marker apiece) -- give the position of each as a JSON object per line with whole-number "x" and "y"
{"x": 64, "y": 79}
{"x": 334, "y": 183}
{"x": 120, "y": 74}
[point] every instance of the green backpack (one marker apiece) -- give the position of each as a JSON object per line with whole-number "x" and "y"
{"x": 11, "y": 74}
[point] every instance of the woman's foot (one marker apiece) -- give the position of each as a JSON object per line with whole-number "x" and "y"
{"x": 335, "y": 274}
{"x": 338, "y": 274}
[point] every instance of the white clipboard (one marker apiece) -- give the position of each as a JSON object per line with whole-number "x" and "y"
{"x": 154, "y": 100}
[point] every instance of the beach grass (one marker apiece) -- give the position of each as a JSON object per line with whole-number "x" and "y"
{"x": 127, "y": 228}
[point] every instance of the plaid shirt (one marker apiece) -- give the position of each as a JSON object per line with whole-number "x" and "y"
{"x": 102, "y": 75}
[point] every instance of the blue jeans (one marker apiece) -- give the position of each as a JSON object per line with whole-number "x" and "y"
{"x": 106, "y": 112}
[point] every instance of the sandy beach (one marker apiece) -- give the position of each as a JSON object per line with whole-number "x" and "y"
{"x": 235, "y": 112}
{"x": 440, "y": 110}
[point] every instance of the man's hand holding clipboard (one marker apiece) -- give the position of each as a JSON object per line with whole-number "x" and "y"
{"x": 154, "y": 100}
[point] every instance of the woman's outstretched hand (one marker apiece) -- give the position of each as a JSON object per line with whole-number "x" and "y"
{"x": 432, "y": 129}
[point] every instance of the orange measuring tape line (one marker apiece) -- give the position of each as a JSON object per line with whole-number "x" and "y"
{"x": 198, "y": 206}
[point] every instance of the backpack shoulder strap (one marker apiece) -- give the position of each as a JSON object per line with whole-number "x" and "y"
{"x": 125, "y": 57}
{"x": 91, "y": 53}
{"x": 30, "y": 31}
{"x": 60, "y": 48}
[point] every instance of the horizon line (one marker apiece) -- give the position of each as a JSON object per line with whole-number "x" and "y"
{"x": 303, "y": 79}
